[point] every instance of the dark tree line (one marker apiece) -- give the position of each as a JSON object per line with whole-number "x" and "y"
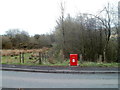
{"x": 16, "y": 39}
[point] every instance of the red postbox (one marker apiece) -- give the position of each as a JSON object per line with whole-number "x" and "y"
{"x": 73, "y": 59}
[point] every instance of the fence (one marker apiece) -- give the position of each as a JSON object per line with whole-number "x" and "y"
{"x": 37, "y": 57}
{"x": 27, "y": 56}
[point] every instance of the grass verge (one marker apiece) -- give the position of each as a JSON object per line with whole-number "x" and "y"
{"x": 16, "y": 61}
{"x": 66, "y": 63}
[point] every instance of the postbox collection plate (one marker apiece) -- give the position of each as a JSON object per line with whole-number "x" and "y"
{"x": 73, "y": 59}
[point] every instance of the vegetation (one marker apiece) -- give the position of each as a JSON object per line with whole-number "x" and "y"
{"x": 66, "y": 63}
{"x": 94, "y": 37}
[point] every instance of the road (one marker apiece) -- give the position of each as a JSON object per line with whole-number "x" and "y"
{"x": 12, "y": 79}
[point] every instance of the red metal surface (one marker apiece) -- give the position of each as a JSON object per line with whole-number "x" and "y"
{"x": 73, "y": 59}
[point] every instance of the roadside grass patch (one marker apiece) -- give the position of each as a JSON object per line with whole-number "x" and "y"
{"x": 101, "y": 64}
{"x": 16, "y": 60}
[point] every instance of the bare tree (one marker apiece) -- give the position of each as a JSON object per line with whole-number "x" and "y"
{"x": 60, "y": 23}
{"x": 106, "y": 23}
{"x": 63, "y": 31}
{"x": 0, "y": 48}
{"x": 118, "y": 32}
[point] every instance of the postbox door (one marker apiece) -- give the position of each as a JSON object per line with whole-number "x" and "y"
{"x": 73, "y": 59}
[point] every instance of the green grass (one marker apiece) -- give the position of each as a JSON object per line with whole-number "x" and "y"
{"x": 84, "y": 64}
{"x": 15, "y": 59}
{"x": 102, "y": 64}
{"x": 27, "y": 61}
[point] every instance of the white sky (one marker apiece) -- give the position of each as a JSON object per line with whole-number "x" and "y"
{"x": 39, "y": 16}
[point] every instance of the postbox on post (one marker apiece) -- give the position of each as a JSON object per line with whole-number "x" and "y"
{"x": 73, "y": 59}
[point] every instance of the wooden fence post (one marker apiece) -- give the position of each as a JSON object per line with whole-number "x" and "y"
{"x": 20, "y": 57}
{"x": 39, "y": 58}
{"x": 45, "y": 57}
{"x": 81, "y": 60}
{"x": 23, "y": 57}
{"x": 42, "y": 56}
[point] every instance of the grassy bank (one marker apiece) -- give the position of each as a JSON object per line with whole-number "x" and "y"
{"x": 66, "y": 63}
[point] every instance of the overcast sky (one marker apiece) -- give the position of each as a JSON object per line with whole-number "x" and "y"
{"x": 39, "y": 16}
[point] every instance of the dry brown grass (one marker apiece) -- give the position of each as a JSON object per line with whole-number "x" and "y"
{"x": 16, "y": 52}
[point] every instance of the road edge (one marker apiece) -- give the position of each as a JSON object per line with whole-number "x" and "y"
{"x": 58, "y": 71}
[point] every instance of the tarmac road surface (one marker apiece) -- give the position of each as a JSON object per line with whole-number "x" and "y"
{"x": 12, "y": 79}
